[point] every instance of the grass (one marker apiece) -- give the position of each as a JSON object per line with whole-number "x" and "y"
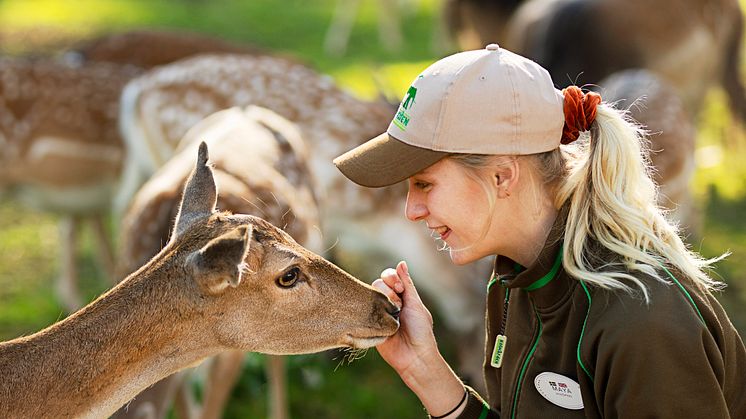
{"x": 29, "y": 242}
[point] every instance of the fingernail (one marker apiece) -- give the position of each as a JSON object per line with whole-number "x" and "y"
{"x": 388, "y": 272}
{"x": 399, "y": 287}
{"x": 405, "y": 267}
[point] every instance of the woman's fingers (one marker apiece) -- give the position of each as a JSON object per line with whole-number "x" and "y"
{"x": 410, "y": 292}
{"x": 391, "y": 278}
{"x": 380, "y": 285}
{"x": 399, "y": 280}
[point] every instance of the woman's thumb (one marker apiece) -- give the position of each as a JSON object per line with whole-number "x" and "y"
{"x": 402, "y": 270}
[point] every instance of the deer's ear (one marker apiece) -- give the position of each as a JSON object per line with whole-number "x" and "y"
{"x": 200, "y": 194}
{"x": 219, "y": 264}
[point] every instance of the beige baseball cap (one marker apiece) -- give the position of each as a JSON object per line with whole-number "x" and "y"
{"x": 488, "y": 101}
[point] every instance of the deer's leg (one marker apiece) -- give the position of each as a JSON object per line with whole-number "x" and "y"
{"x": 389, "y": 28}
{"x": 278, "y": 404}
{"x": 67, "y": 290}
{"x": 338, "y": 34}
{"x": 104, "y": 247}
{"x": 185, "y": 405}
{"x": 223, "y": 374}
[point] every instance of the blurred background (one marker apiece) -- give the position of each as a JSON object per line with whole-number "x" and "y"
{"x": 373, "y": 49}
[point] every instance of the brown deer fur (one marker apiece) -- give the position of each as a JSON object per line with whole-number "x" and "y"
{"x": 151, "y": 48}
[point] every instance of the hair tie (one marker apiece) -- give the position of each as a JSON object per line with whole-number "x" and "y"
{"x": 580, "y": 112}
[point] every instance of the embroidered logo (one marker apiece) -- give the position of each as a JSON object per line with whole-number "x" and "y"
{"x": 402, "y": 117}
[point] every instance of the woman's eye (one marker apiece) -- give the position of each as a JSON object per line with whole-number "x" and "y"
{"x": 289, "y": 278}
{"x": 421, "y": 185}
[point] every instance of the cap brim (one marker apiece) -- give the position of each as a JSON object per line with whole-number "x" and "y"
{"x": 384, "y": 161}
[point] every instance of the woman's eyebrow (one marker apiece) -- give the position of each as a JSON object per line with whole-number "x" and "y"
{"x": 423, "y": 171}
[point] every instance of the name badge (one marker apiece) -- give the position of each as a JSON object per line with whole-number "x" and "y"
{"x": 560, "y": 390}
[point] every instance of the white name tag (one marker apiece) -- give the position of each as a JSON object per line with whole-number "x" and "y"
{"x": 560, "y": 390}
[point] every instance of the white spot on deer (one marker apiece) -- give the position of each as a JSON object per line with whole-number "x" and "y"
{"x": 45, "y": 147}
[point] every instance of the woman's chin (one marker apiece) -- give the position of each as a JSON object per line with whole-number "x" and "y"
{"x": 461, "y": 257}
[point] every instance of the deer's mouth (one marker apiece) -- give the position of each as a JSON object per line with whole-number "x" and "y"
{"x": 362, "y": 342}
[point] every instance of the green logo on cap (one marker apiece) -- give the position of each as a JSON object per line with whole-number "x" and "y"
{"x": 401, "y": 119}
{"x": 409, "y": 98}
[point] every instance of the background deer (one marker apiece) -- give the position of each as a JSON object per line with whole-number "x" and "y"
{"x": 222, "y": 282}
{"x": 150, "y": 48}
{"x": 357, "y": 223}
{"x": 654, "y": 103}
{"x": 693, "y": 44}
{"x": 259, "y": 159}
{"x": 472, "y": 24}
{"x": 60, "y": 149}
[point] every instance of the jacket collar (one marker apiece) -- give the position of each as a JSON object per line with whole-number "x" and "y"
{"x": 542, "y": 279}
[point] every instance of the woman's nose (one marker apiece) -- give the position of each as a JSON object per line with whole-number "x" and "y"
{"x": 414, "y": 209}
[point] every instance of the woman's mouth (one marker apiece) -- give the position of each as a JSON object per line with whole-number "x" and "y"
{"x": 444, "y": 232}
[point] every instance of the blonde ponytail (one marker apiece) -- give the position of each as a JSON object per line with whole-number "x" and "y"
{"x": 612, "y": 202}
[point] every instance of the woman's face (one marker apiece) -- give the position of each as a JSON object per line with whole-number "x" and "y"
{"x": 455, "y": 208}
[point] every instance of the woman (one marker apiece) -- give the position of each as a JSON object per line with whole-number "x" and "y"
{"x": 596, "y": 308}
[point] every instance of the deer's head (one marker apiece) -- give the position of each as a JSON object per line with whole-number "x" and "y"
{"x": 262, "y": 291}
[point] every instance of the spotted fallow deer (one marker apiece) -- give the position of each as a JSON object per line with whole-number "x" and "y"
{"x": 60, "y": 149}
{"x": 693, "y": 44}
{"x": 259, "y": 159}
{"x": 365, "y": 228}
{"x": 222, "y": 282}
{"x": 655, "y": 104}
{"x": 147, "y": 48}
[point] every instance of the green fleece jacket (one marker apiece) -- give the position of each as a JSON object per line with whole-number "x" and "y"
{"x": 677, "y": 357}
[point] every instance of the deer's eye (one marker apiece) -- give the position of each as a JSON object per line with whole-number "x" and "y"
{"x": 289, "y": 278}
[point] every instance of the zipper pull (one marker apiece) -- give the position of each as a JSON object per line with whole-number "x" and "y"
{"x": 499, "y": 350}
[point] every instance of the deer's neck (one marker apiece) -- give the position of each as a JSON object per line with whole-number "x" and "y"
{"x": 99, "y": 358}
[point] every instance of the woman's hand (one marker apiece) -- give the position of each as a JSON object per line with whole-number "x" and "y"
{"x": 414, "y": 343}
{"x": 412, "y": 350}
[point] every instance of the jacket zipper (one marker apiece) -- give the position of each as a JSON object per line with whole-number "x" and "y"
{"x": 525, "y": 364}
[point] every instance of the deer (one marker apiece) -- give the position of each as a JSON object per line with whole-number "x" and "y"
{"x": 389, "y": 27}
{"x": 159, "y": 107}
{"x": 655, "y": 104}
{"x": 148, "y": 48}
{"x": 472, "y": 24}
{"x": 259, "y": 158}
{"x": 224, "y": 281}
{"x": 60, "y": 149}
{"x": 693, "y": 44}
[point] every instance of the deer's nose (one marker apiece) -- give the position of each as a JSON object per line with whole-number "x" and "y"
{"x": 394, "y": 311}
{"x": 382, "y": 303}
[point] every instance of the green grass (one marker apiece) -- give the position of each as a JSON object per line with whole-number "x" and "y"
{"x": 29, "y": 241}
{"x": 28, "y": 244}
{"x": 292, "y": 26}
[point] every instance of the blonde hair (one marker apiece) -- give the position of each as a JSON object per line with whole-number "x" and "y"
{"x": 612, "y": 202}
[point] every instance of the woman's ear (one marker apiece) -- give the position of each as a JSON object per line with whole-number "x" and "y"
{"x": 506, "y": 175}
